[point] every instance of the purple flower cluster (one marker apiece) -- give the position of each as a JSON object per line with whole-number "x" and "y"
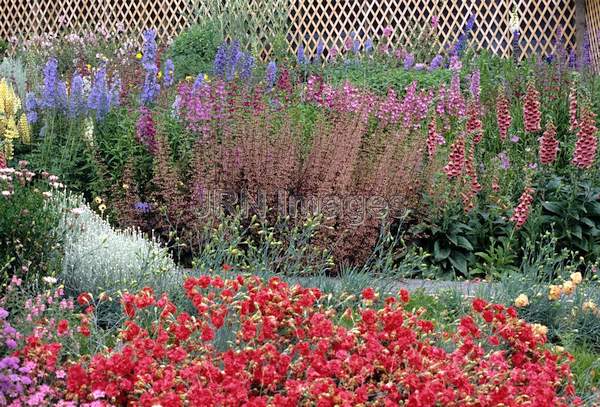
{"x": 300, "y": 55}
{"x": 99, "y": 99}
{"x": 231, "y": 60}
{"x": 150, "y": 88}
{"x": 77, "y": 104}
{"x": 475, "y": 86}
{"x": 146, "y": 130}
{"x": 169, "y": 75}
{"x": 461, "y": 44}
{"x": 31, "y": 107}
{"x": 54, "y": 91}
{"x": 74, "y": 103}
{"x": 271, "y": 76}
{"x": 436, "y": 62}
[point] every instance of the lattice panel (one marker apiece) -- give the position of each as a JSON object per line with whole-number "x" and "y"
{"x": 593, "y": 24}
{"x": 329, "y": 20}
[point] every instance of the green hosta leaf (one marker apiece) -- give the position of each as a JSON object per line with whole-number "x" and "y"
{"x": 588, "y": 222}
{"x": 440, "y": 253}
{"x": 464, "y": 243}
{"x": 554, "y": 207}
{"x": 459, "y": 262}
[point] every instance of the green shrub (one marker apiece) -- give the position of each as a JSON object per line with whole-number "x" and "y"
{"x": 194, "y": 49}
{"x": 380, "y": 77}
{"x": 28, "y": 237}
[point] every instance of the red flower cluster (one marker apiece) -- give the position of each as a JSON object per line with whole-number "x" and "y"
{"x": 474, "y": 185}
{"x": 573, "y": 109}
{"x": 456, "y": 160}
{"x": 521, "y": 212}
{"x": 286, "y": 347}
{"x": 587, "y": 141}
{"x": 503, "y": 114}
{"x": 548, "y": 144}
{"x": 531, "y": 110}
{"x": 433, "y": 138}
{"x": 474, "y": 125}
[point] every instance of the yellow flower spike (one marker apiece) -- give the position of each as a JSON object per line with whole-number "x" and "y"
{"x": 24, "y": 129}
{"x": 138, "y": 56}
{"x": 159, "y": 74}
{"x": 576, "y": 278}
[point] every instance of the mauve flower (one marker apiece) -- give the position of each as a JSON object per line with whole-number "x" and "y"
{"x": 387, "y": 31}
{"x": 504, "y": 161}
{"x": 436, "y": 62}
{"x": 146, "y": 130}
{"x": 514, "y": 138}
{"x": 409, "y": 61}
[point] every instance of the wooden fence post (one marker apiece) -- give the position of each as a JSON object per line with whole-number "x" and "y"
{"x": 580, "y": 26}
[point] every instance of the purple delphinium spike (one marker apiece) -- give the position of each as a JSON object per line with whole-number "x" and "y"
{"x": 99, "y": 98}
{"x": 320, "y": 49}
{"x": 48, "y": 99}
{"x": 31, "y": 106}
{"x": 369, "y": 45}
{"x": 149, "y": 48}
{"x": 151, "y": 88}
{"x": 300, "y": 57}
{"x": 220, "y": 61}
{"x": 271, "y": 76}
{"x": 247, "y": 67}
{"x": 77, "y": 105}
{"x": 198, "y": 82}
{"x": 169, "y": 74}
{"x": 233, "y": 60}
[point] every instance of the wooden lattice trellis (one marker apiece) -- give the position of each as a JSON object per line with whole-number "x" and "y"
{"x": 327, "y": 20}
{"x": 593, "y": 24}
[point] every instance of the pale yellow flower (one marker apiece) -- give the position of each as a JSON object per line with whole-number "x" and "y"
{"x": 539, "y": 329}
{"x": 568, "y": 287}
{"x": 576, "y": 278}
{"x": 102, "y": 208}
{"x": 554, "y": 292}
{"x": 98, "y": 200}
{"x": 589, "y": 306}
{"x": 521, "y": 301}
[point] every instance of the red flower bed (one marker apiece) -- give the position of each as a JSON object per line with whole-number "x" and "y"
{"x": 257, "y": 343}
